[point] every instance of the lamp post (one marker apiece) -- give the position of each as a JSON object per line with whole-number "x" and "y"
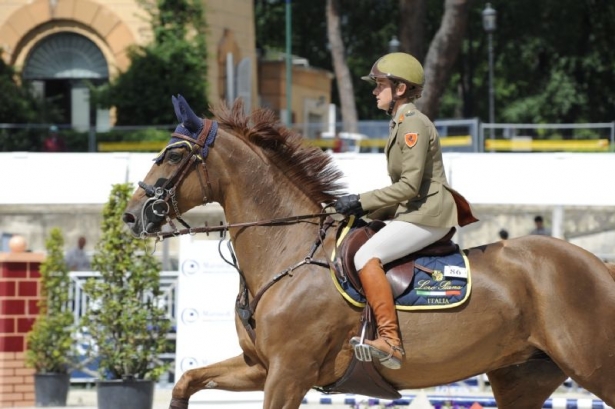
{"x": 289, "y": 64}
{"x": 489, "y": 24}
{"x": 394, "y": 45}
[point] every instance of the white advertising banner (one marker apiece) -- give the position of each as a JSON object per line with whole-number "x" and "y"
{"x": 206, "y": 334}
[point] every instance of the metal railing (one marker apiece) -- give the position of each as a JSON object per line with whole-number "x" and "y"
{"x": 589, "y": 137}
{"x": 459, "y": 135}
{"x": 80, "y": 303}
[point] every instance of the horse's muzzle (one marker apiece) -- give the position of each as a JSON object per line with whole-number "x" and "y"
{"x": 139, "y": 226}
{"x": 132, "y": 222}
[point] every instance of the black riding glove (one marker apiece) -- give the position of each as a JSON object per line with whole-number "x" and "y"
{"x": 349, "y": 205}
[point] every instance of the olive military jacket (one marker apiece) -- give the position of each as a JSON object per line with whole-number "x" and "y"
{"x": 419, "y": 192}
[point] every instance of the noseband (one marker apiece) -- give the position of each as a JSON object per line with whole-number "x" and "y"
{"x": 157, "y": 207}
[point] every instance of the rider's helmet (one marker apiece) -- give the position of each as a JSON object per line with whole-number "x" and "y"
{"x": 397, "y": 67}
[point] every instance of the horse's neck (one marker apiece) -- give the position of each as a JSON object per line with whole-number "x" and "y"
{"x": 256, "y": 190}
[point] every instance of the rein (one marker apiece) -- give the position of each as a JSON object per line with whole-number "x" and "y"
{"x": 224, "y": 227}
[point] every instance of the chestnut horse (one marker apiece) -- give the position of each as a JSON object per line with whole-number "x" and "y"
{"x": 541, "y": 309}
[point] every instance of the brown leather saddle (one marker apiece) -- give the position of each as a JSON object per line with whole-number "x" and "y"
{"x": 399, "y": 272}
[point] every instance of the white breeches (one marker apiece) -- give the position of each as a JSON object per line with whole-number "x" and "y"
{"x": 397, "y": 239}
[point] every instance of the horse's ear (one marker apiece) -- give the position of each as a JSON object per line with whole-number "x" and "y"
{"x": 175, "y": 102}
{"x": 191, "y": 121}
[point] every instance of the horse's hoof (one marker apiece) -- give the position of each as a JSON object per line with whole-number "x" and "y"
{"x": 178, "y": 404}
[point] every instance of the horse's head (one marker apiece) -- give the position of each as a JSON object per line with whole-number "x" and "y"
{"x": 259, "y": 169}
{"x": 178, "y": 180}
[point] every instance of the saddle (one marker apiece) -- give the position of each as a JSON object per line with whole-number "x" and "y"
{"x": 361, "y": 376}
{"x": 400, "y": 272}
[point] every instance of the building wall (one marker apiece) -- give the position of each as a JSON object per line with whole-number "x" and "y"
{"x": 231, "y": 27}
{"x": 114, "y": 25}
{"x": 308, "y": 84}
{"x": 19, "y": 295}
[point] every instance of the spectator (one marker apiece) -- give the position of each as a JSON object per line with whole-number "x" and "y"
{"x": 503, "y": 234}
{"x": 54, "y": 141}
{"x": 76, "y": 259}
{"x": 540, "y": 228}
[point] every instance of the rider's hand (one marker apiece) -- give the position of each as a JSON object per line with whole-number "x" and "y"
{"x": 349, "y": 205}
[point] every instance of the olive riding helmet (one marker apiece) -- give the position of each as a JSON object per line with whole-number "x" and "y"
{"x": 399, "y": 68}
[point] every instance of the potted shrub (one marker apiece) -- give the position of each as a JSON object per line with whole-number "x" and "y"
{"x": 50, "y": 346}
{"x": 126, "y": 325}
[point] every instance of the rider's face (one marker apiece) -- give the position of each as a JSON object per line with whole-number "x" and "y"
{"x": 382, "y": 91}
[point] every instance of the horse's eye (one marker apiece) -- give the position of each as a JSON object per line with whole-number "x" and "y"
{"x": 175, "y": 156}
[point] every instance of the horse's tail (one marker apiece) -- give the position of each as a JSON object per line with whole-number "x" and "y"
{"x": 611, "y": 267}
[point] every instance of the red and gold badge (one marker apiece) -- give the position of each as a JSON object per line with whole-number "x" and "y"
{"x": 411, "y": 139}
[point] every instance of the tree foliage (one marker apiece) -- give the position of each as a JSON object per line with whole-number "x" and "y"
{"x": 553, "y": 59}
{"x": 309, "y": 38}
{"x": 50, "y": 343}
{"x": 175, "y": 62}
{"x": 127, "y": 325}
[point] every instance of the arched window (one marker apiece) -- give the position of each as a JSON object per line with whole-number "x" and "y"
{"x": 64, "y": 56}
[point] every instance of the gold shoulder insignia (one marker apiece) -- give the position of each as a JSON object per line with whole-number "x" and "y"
{"x": 410, "y": 113}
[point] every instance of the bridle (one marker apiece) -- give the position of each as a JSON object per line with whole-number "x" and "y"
{"x": 162, "y": 195}
{"x": 163, "y": 192}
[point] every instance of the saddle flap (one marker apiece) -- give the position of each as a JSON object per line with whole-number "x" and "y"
{"x": 362, "y": 376}
{"x": 350, "y": 245}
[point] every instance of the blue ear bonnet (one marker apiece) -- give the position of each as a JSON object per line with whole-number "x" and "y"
{"x": 190, "y": 126}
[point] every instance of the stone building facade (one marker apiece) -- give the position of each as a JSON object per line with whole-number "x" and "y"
{"x": 58, "y": 45}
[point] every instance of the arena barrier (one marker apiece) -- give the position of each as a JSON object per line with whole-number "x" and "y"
{"x": 447, "y": 401}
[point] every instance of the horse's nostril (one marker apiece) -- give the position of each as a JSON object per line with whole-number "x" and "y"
{"x": 129, "y": 218}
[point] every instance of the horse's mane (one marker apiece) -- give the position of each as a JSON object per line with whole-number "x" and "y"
{"x": 308, "y": 167}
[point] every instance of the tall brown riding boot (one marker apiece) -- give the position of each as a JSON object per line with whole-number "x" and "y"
{"x": 387, "y": 347}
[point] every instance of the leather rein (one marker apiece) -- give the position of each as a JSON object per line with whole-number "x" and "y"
{"x": 164, "y": 192}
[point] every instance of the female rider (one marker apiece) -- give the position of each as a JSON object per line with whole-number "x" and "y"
{"x": 421, "y": 204}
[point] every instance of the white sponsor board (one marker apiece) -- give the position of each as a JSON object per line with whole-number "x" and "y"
{"x": 206, "y": 334}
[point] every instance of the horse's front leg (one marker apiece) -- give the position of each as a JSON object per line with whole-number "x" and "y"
{"x": 287, "y": 383}
{"x": 236, "y": 374}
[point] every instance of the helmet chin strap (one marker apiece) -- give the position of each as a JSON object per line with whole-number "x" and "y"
{"x": 391, "y": 106}
{"x": 394, "y": 98}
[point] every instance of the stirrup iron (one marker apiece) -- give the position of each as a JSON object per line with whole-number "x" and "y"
{"x": 362, "y": 351}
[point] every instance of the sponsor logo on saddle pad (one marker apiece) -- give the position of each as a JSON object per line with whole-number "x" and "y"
{"x": 447, "y": 284}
